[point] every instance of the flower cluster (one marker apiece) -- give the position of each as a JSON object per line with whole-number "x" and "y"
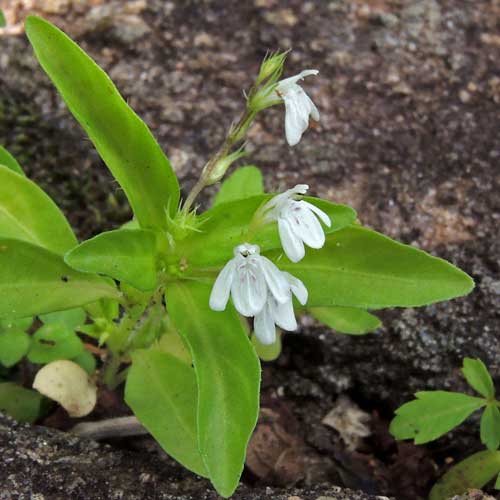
{"x": 258, "y": 288}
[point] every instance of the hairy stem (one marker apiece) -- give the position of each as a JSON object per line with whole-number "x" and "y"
{"x": 235, "y": 135}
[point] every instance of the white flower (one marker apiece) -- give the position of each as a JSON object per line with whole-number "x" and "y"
{"x": 275, "y": 313}
{"x": 298, "y": 106}
{"x": 250, "y": 279}
{"x": 298, "y": 222}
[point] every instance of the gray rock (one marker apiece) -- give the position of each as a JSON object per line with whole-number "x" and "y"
{"x": 43, "y": 464}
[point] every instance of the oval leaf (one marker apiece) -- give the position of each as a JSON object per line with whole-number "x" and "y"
{"x": 125, "y": 255}
{"x": 54, "y": 341}
{"x": 36, "y": 281}
{"x": 473, "y": 472}
{"x": 9, "y": 161}
{"x": 122, "y": 139}
{"x": 72, "y": 318}
{"x": 27, "y": 213}
{"x": 365, "y": 269}
{"x": 171, "y": 384}
{"x": 243, "y": 183}
{"x": 22, "y": 404}
{"x": 432, "y": 414}
{"x": 13, "y": 347}
{"x": 346, "y": 319}
{"x": 226, "y": 226}
{"x": 228, "y": 376}
{"x": 478, "y": 377}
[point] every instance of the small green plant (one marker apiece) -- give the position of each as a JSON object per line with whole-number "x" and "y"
{"x": 434, "y": 413}
{"x": 165, "y": 296}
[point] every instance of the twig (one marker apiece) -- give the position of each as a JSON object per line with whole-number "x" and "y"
{"x": 110, "y": 428}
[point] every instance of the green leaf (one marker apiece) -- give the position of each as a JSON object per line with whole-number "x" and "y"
{"x": 86, "y": 360}
{"x": 364, "y": 269}
{"x": 125, "y": 255}
{"x": 497, "y": 483}
{"x": 72, "y": 318}
{"x": 243, "y": 183}
{"x": 490, "y": 427}
{"x": 27, "y": 213}
{"x": 346, "y": 319}
{"x": 13, "y": 347}
{"x": 432, "y": 414}
{"x": 3, "y": 23}
{"x": 122, "y": 139}
{"x": 9, "y": 161}
{"x": 36, "y": 281}
{"x": 226, "y": 226}
{"x": 476, "y": 374}
{"x": 473, "y": 472}
{"x": 15, "y": 324}
{"x": 54, "y": 341}
{"x": 228, "y": 376}
{"x": 267, "y": 352}
{"x": 161, "y": 391}
{"x": 22, "y": 404}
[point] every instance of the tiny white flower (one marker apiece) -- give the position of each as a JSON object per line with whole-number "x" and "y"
{"x": 298, "y": 106}
{"x": 250, "y": 279}
{"x": 298, "y": 222}
{"x": 282, "y": 314}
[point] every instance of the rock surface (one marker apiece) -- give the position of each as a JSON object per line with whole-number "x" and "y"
{"x": 43, "y": 464}
{"x": 409, "y": 94}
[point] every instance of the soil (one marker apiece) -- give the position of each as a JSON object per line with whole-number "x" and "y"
{"x": 409, "y": 94}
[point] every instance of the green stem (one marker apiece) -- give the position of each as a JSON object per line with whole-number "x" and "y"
{"x": 236, "y": 134}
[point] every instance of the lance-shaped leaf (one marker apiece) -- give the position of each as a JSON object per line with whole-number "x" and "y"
{"x": 228, "y": 376}
{"x": 346, "y": 319}
{"x": 245, "y": 182}
{"x": 122, "y": 139}
{"x": 162, "y": 392}
{"x": 473, "y": 472}
{"x": 36, "y": 281}
{"x": 432, "y": 414}
{"x": 9, "y": 161}
{"x": 490, "y": 427}
{"x": 478, "y": 377}
{"x": 27, "y": 213}
{"x": 365, "y": 269}
{"x": 124, "y": 254}
{"x": 227, "y": 225}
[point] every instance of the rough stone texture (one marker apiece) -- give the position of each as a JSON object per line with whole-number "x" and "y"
{"x": 43, "y": 464}
{"x": 409, "y": 92}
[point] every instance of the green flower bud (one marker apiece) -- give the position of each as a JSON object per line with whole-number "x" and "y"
{"x": 217, "y": 172}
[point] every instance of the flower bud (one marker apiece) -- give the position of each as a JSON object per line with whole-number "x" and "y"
{"x": 272, "y": 67}
{"x": 217, "y": 172}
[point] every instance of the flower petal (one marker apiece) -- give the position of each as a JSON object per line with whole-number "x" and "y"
{"x": 296, "y": 118}
{"x": 249, "y": 289}
{"x": 292, "y": 245}
{"x": 311, "y": 107}
{"x": 284, "y": 315}
{"x": 287, "y": 83}
{"x": 305, "y": 225}
{"x": 264, "y": 328}
{"x": 222, "y": 287}
{"x": 298, "y": 288}
{"x": 322, "y": 215}
{"x": 276, "y": 281}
